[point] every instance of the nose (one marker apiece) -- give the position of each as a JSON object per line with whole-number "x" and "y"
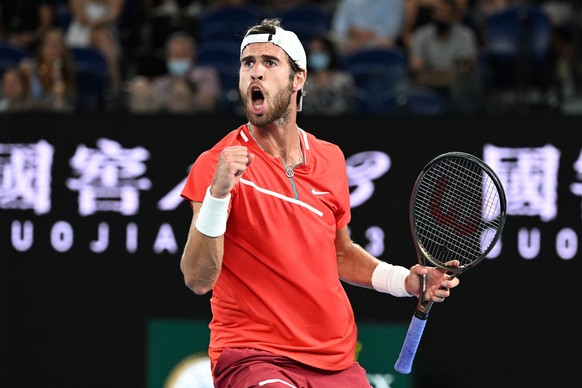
{"x": 257, "y": 72}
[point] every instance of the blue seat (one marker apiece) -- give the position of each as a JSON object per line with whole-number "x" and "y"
{"x": 517, "y": 42}
{"x": 92, "y": 76}
{"x": 306, "y": 20}
{"x": 11, "y": 56}
{"x": 89, "y": 60}
{"x": 377, "y": 70}
{"x": 410, "y": 100}
{"x": 63, "y": 15}
{"x": 359, "y": 101}
{"x": 228, "y": 23}
{"x": 224, "y": 57}
{"x": 219, "y": 53}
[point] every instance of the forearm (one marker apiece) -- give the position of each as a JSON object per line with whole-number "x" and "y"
{"x": 202, "y": 258}
{"x": 78, "y": 13}
{"x": 356, "y": 266}
{"x": 201, "y": 261}
{"x": 46, "y": 18}
{"x": 436, "y": 78}
{"x": 115, "y": 10}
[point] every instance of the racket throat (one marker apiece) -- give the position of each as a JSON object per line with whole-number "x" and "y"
{"x": 424, "y": 305}
{"x": 423, "y": 309}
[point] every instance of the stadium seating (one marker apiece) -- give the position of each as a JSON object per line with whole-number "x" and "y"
{"x": 11, "y": 56}
{"x": 516, "y": 48}
{"x": 228, "y": 23}
{"x": 306, "y": 20}
{"x": 92, "y": 76}
{"x": 410, "y": 100}
{"x": 376, "y": 70}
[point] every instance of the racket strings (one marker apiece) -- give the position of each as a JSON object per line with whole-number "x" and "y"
{"x": 466, "y": 247}
{"x": 466, "y": 179}
{"x": 457, "y": 209}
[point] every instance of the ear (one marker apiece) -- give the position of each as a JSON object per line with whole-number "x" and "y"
{"x": 299, "y": 81}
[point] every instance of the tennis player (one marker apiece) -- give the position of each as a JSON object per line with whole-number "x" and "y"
{"x": 269, "y": 237}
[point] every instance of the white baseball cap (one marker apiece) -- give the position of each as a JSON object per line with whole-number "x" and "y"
{"x": 288, "y": 41}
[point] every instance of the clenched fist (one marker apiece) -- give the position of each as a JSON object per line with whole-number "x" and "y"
{"x": 232, "y": 163}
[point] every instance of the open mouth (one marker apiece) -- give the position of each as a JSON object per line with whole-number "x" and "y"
{"x": 257, "y": 99}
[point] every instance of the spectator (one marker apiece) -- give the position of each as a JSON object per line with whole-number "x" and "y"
{"x": 419, "y": 13}
{"x": 329, "y": 89}
{"x": 181, "y": 96}
{"x": 489, "y": 7}
{"x": 443, "y": 56}
{"x": 51, "y": 73}
{"x": 201, "y": 85}
{"x": 23, "y": 22}
{"x": 141, "y": 99}
{"x": 358, "y": 24}
{"x": 227, "y": 3}
{"x": 164, "y": 17}
{"x": 15, "y": 91}
{"x": 95, "y": 25}
{"x": 276, "y": 6}
{"x": 484, "y": 8}
{"x": 562, "y": 43}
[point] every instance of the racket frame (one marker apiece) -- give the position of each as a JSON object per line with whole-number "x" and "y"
{"x": 423, "y": 307}
{"x": 414, "y": 334}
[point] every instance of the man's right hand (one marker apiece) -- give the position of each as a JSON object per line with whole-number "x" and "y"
{"x": 232, "y": 163}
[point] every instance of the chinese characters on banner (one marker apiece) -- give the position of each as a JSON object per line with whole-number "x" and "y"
{"x": 109, "y": 177}
{"x": 530, "y": 177}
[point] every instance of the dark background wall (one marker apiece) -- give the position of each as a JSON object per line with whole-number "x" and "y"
{"x": 79, "y": 317}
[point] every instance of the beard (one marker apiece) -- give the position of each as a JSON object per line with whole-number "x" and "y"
{"x": 278, "y": 107}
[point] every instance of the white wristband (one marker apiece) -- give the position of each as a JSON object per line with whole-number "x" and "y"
{"x": 213, "y": 215}
{"x": 390, "y": 279}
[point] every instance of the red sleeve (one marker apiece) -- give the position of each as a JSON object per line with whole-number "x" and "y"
{"x": 343, "y": 213}
{"x": 200, "y": 177}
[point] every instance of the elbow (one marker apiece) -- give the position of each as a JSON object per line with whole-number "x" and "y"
{"x": 200, "y": 273}
{"x": 198, "y": 287}
{"x": 198, "y": 283}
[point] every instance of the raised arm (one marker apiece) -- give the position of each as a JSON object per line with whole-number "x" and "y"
{"x": 202, "y": 257}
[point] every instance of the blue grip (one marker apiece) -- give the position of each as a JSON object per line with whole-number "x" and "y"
{"x": 404, "y": 362}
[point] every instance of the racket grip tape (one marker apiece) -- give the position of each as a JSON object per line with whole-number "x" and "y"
{"x": 408, "y": 351}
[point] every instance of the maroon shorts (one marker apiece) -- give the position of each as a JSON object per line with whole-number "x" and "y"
{"x": 245, "y": 368}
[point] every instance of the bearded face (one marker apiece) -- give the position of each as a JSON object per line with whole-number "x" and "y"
{"x": 263, "y": 107}
{"x": 267, "y": 83}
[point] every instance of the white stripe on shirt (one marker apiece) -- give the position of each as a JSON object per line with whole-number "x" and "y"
{"x": 281, "y": 196}
{"x": 271, "y": 381}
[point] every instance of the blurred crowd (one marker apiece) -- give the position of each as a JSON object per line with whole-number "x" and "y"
{"x": 156, "y": 56}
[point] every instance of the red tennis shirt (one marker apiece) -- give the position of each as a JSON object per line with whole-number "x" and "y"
{"x": 279, "y": 288}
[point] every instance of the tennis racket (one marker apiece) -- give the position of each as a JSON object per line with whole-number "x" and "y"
{"x": 457, "y": 212}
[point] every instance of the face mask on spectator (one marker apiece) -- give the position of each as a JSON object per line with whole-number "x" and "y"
{"x": 442, "y": 27}
{"x": 318, "y": 61}
{"x": 179, "y": 66}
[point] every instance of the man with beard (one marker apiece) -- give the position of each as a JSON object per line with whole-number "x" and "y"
{"x": 443, "y": 56}
{"x": 269, "y": 237}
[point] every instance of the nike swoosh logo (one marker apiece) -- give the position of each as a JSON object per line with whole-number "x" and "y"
{"x": 315, "y": 192}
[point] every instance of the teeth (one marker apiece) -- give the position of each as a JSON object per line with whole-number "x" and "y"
{"x": 256, "y": 93}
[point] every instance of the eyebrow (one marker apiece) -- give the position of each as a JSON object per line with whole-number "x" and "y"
{"x": 264, "y": 57}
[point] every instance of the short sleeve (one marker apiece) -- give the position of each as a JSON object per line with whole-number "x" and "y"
{"x": 200, "y": 177}
{"x": 343, "y": 213}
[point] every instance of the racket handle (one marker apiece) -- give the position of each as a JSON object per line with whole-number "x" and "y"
{"x": 404, "y": 362}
